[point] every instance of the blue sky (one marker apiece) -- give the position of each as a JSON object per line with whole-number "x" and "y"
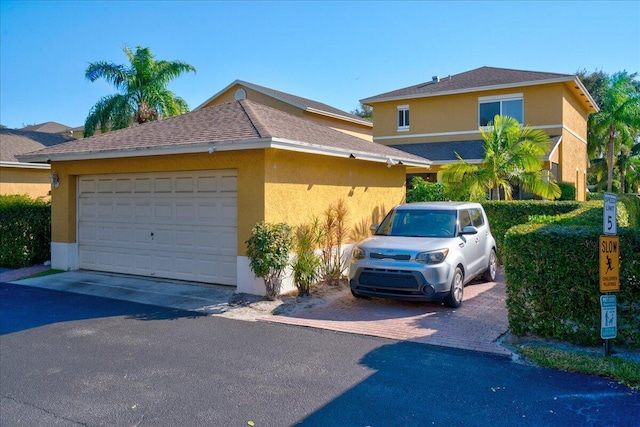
{"x": 333, "y": 52}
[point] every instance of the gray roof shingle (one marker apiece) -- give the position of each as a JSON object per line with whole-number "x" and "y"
{"x": 445, "y": 152}
{"x": 236, "y": 121}
{"x": 298, "y": 101}
{"x": 482, "y": 77}
{"x": 48, "y": 127}
{"x": 14, "y": 142}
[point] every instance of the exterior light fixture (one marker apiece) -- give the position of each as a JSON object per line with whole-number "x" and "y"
{"x": 55, "y": 180}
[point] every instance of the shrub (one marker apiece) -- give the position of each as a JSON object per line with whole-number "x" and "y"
{"x": 25, "y": 231}
{"x": 503, "y": 215}
{"x": 307, "y": 263}
{"x": 424, "y": 191}
{"x": 553, "y": 289}
{"x": 268, "y": 252}
{"x": 331, "y": 239}
{"x": 568, "y": 191}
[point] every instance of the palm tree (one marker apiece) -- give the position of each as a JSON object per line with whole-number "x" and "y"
{"x": 513, "y": 156}
{"x": 618, "y": 119}
{"x": 143, "y": 95}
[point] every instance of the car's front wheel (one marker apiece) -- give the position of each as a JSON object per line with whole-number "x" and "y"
{"x": 454, "y": 298}
{"x": 490, "y": 274}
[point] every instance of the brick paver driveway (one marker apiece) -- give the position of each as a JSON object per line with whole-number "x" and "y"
{"x": 477, "y": 325}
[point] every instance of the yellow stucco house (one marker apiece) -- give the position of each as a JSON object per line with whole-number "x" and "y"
{"x": 22, "y": 178}
{"x": 177, "y": 198}
{"x": 311, "y": 110}
{"x": 442, "y": 117}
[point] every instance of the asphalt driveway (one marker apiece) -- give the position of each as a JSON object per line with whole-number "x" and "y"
{"x": 477, "y": 325}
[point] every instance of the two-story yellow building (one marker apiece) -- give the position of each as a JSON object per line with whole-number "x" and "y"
{"x": 442, "y": 117}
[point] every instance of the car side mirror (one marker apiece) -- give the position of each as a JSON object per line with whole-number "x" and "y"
{"x": 469, "y": 229}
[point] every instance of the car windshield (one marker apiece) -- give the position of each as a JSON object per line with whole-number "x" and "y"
{"x": 419, "y": 223}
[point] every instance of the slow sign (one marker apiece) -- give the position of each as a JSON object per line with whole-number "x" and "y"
{"x": 609, "y": 263}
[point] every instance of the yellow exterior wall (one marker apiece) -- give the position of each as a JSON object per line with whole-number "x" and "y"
{"x": 34, "y": 183}
{"x": 361, "y": 131}
{"x": 248, "y": 163}
{"x": 302, "y": 186}
{"x": 554, "y": 106}
{"x": 273, "y": 185}
{"x": 543, "y": 105}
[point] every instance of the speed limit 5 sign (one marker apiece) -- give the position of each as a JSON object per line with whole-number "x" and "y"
{"x": 609, "y": 225}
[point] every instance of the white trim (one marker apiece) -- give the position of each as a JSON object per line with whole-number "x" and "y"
{"x": 338, "y": 116}
{"x": 548, "y": 157}
{"x": 426, "y": 135}
{"x": 571, "y": 131}
{"x": 248, "y": 283}
{"x": 367, "y": 101}
{"x": 246, "y": 144}
{"x": 402, "y": 108}
{"x": 448, "y": 162}
{"x": 493, "y": 98}
{"x": 24, "y": 165}
{"x": 64, "y": 256}
{"x": 285, "y": 100}
{"x": 470, "y": 132}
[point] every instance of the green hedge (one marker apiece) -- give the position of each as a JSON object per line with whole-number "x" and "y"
{"x": 505, "y": 214}
{"x": 553, "y": 283}
{"x": 25, "y": 231}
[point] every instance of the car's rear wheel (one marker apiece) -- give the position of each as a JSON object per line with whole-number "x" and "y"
{"x": 454, "y": 298}
{"x": 490, "y": 274}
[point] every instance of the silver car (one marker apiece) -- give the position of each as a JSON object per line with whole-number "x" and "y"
{"x": 425, "y": 252}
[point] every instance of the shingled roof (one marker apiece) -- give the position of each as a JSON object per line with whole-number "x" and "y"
{"x": 297, "y": 101}
{"x": 234, "y": 125}
{"x": 483, "y": 78}
{"x": 14, "y": 142}
{"x": 472, "y": 151}
{"x": 48, "y": 127}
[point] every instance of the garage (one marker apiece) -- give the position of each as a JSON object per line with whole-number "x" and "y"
{"x": 174, "y": 225}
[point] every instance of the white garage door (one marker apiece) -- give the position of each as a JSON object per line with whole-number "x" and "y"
{"x": 177, "y": 225}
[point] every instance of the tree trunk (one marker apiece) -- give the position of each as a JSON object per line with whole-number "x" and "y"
{"x": 612, "y": 133}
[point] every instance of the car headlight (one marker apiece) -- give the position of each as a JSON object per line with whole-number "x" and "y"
{"x": 432, "y": 257}
{"x": 358, "y": 253}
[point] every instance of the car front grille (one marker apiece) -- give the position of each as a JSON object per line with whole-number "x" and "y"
{"x": 398, "y": 257}
{"x": 389, "y": 279}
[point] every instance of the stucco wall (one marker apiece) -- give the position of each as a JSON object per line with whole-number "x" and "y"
{"x": 302, "y": 186}
{"x": 457, "y": 115}
{"x": 249, "y": 164}
{"x": 273, "y": 185}
{"x": 32, "y": 182}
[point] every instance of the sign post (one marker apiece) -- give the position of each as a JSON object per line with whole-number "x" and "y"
{"x": 609, "y": 272}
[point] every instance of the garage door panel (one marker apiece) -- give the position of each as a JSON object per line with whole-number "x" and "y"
{"x": 180, "y": 225}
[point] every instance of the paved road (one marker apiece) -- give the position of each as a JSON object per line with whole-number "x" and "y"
{"x": 71, "y": 360}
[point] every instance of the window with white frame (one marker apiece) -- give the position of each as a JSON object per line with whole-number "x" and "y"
{"x": 503, "y": 105}
{"x": 403, "y": 117}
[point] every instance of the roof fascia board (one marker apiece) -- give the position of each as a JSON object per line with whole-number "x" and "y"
{"x": 217, "y": 94}
{"x": 145, "y": 152}
{"x": 553, "y": 150}
{"x": 23, "y": 165}
{"x": 285, "y": 144}
{"x": 470, "y": 132}
{"x": 368, "y": 101}
{"x": 212, "y": 147}
{"x": 338, "y": 116}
